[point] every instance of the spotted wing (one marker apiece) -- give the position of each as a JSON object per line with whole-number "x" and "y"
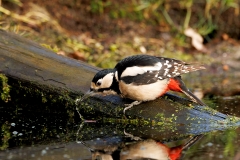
{"x": 139, "y": 69}
{"x": 136, "y": 60}
{"x": 172, "y": 68}
{"x": 146, "y": 69}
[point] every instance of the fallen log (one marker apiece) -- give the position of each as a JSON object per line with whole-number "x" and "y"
{"x": 51, "y": 79}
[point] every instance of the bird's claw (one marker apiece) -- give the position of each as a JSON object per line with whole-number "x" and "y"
{"x": 128, "y": 106}
{"x": 77, "y": 101}
{"x": 132, "y": 136}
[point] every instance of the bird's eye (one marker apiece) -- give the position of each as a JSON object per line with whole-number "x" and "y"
{"x": 98, "y": 83}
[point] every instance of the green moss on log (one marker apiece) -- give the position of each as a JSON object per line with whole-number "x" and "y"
{"x": 5, "y": 136}
{"x": 4, "y": 88}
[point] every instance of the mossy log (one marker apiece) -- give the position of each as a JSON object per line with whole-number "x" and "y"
{"x": 35, "y": 71}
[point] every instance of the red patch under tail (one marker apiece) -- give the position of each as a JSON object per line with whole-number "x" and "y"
{"x": 174, "y": 85}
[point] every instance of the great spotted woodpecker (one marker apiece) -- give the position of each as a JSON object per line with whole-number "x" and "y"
{"x": 144, "y": 78}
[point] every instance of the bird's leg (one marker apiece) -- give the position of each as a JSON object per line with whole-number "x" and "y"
{"x": 128, "y": 106}
{"x": 132, "y": 136}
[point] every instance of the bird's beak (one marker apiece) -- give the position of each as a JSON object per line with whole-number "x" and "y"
{"x": 89, "y": 93}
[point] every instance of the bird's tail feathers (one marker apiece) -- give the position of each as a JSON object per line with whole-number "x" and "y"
{"x": 193, "y": 67}
{"x": 193, "y": 97}
{"x": 187, "y": 92}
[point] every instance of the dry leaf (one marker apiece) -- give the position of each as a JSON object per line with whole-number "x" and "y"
{"x": 143, "y": 49}
{"x": 197, "y": 40}
{"x": 225, "y": 36}
{"x": 77, "y": 55}
{"x": 61, "y": 53}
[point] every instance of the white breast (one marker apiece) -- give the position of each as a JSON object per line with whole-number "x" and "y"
{"x": 143, "y": 92}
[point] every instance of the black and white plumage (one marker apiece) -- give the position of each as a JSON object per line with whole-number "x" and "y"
{"x": 144, "y": 78}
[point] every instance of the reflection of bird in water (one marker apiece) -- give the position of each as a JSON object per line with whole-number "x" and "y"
{"x": 142, "y": 150}
{"x": 149, "y": 149}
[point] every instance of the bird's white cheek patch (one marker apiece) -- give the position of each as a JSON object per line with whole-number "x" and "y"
{"x": 107, "y": 80}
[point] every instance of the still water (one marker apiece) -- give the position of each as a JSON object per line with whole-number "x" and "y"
{"x": 56, "y": 132}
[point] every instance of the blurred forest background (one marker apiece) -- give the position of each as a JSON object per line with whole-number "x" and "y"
{"x": 101, "y": 32}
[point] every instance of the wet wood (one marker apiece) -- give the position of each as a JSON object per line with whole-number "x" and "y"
{"x": 25, "y": 60}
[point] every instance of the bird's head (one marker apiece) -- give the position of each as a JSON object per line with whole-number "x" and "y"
{"x": 102, "y": 83}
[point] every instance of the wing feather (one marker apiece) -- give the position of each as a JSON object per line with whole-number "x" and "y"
{"x": 142, "y": 79}
{"x": 172, "y": 67}
{"x": 146, "y": 69}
